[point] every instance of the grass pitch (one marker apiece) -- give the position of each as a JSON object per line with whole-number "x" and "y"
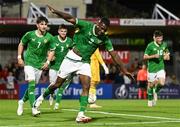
{"x": 118, "y": 113}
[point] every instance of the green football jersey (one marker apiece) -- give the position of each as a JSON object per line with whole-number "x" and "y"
{"x": 156, "y": 64}
{"x": 86, "y": 41}
{"x": 62, "y": 47}
{"x": 37, "y": 48}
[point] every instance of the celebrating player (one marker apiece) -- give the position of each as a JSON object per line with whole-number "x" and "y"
{"x": 89, "y": 37}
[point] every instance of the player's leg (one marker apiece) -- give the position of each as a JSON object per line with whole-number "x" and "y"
{"x": 30, "y": 77}
{"x": 95, "y": 80}
{"x": 160, "y": 83}
{"x": 52, "y": 78}
{"x": 92, "y": 95}
{"x": 66, "y": 69}
{"x": 85, "y": 74}
{"x": 151, "y": 80}
{"x": 85, "y": 81}
{"x": 150, "y": 94}
{"x": 50, "y": 90}
{"x": 61, "y": 90}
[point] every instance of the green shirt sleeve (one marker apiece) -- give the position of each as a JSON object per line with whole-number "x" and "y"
{"x": 71, "y": 45}
{"x": 82, "y": 23}
{"x": 25, "y": 38}
{"x": 52, "y": 45}
{"x": 147, "y": 50}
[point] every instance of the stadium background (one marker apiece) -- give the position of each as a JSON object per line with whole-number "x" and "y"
{"x": 131, "y": 30}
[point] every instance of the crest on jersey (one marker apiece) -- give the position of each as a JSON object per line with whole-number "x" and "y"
{"x": 45, "y": 40}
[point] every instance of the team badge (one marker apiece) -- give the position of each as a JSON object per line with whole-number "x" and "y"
{"x": 45, "y": 40}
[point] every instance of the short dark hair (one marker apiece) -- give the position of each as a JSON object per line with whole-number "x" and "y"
{"x": 157, "y": 33}
{"x": 41, "y": 19}
{"x": 62, "y": 26}
{"x": 105, "y": 20}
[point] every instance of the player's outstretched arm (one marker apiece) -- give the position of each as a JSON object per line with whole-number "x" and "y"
{"x": 120, "y": 64}
{"x": 65, "y": 16}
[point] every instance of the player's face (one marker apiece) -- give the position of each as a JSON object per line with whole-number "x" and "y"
{"x": 42, "y": 26}
{"x": 62, "y": 33}
{"x": 158, "y": 39}
{"x": 101, "y": 28}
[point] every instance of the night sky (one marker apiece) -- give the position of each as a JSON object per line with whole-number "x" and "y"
{"x": 148, "y": 5}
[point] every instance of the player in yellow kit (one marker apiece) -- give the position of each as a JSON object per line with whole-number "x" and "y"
{"x": 96, "y": 59}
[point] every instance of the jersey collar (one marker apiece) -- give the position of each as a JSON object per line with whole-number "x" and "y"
{"x": 94, "y": 30}
{"x": 61, "y": 39}
{"x": 156, "y": 44}
{"x": 37, "y": 34}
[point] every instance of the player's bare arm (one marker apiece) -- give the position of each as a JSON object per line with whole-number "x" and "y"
{"x": 20, "y": 51}
{"x": 49, "y": 58}
{"x": 120, "y": 64}
{"x": 147, "y": 57}
{"x": 65, "y": 16}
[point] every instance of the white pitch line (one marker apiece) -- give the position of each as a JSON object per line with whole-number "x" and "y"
{"x": 119, "y": 114}
{"x": 95, "y": 124}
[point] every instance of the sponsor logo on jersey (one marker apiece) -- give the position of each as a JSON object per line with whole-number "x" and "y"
{"x": 33, "y": 39}
{"x": 57, "y": 44}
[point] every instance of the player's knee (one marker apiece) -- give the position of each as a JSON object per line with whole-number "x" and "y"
{"x": 161, "y": 81}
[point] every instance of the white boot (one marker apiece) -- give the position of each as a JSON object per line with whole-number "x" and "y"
{"x": 20, "y": 107}
{"x": 150, "y": 103}
{"x": 51, "y": 99}
{"x": 82, "y": 118}
{"x": 56, "y": 106}
{"x": 38, "y": 102}
{"x": 35, "y": 112}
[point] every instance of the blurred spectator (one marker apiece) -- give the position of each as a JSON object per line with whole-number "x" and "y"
{"x": 168, "y": 80}
{"x": 10, "y": 85}
{"x": 174, "y": 80}
{"x": 5, "y": 73}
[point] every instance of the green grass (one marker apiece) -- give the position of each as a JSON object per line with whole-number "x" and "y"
{"x": 119, "y": 113}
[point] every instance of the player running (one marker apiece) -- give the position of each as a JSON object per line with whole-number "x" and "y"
{"x": 63, "y": 44}
{"x": 156, "y": 52}
{"x": 38, "y": 43}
